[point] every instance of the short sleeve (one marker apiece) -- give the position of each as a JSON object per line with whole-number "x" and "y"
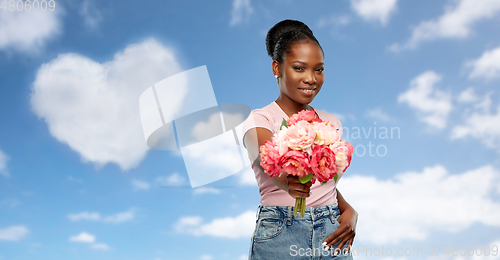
{"x": 257, "y": 118}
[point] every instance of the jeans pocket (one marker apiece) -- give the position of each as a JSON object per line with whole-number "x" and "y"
{"x": 268, "y": 227}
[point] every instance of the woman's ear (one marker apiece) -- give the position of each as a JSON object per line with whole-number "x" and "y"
{"x": 276, "y": 68}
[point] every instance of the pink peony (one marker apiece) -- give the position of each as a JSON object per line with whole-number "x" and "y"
{"x": 300, "y": 136}
{"x": 323, "y": 163}
{"x": 269, "y": 157}
{"x": 307, "y": 115}
{"x": 295, "y": 163}
{"x": 325, "y": 133}
{"x": 281, "y": 140}
{"x": 343, "y": 154}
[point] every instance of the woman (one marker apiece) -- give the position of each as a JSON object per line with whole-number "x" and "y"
{"x": 329, "y": 223}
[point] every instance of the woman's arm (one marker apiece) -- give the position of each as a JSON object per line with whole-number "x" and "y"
{"x": 343, "y": 205}
{"x": 347, "y": 220}
{"x": 291, "y": 184}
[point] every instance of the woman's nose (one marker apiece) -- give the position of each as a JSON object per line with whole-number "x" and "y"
{"x": 310, "y": 78}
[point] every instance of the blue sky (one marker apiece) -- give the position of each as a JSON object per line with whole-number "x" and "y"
{"x": 77, "y": 180}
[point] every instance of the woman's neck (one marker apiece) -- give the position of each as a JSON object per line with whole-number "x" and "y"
{"x": 291, "y": 107}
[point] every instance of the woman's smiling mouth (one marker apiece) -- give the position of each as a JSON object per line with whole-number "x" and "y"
{"x": 307, "y": 91}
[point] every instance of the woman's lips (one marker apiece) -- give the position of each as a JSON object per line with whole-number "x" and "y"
{"x": 307, "y": 92}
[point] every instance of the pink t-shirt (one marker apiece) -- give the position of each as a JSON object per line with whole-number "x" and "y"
{"x": 270, "y": 117}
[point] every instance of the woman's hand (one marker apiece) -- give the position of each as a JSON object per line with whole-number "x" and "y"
{"x": 296, "y": 189}
{"x": 346, "y": 231}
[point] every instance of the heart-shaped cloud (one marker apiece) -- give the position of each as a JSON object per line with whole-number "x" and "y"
{"x": 93, "y": 107}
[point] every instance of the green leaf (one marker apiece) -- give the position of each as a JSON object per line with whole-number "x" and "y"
{"x": 283, "y": 123}
{"x": 323, "y": 182}
{"x": 306, "y": 178}
{"x": 335, "y": 177}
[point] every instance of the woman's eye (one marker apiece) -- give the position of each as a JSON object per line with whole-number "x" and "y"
{"x": 321, "y": 70}
{"x": 297, "y": 68}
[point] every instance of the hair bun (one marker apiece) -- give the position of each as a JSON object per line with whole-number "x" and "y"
{"x": 284, "y": 33}
{"x": 279, "y": 29}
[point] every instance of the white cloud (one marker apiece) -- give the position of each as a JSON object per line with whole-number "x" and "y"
{"x": 3, "y": 164}
{"x": 334, "y": 20}
{"x": 83, "y": 237}
{"x": 238, "y": 227}
{"x": 13, "y": 233}
{"x": 431, "y": 105}
{"x": 487, "y": 66}
{"x": 29, "y": 32}
{"x": 73, "y": 179}
{"x": 467, "y": 96}
{"x": 93, "y": 108}
{"x": 140, "y": 185}
{"x": 205, "y": 189}
{"x": 217, "y": 154}
{"x": 246, "y": 177}
{"x": 91, "y": 15}
{"x": 95, "y": 216}
{"x": 456, "y": 22}
{"x": 120, "y": 217}
{"x": 484, "y": 105}
{"x": 243, "y": 257}
{"x": 378, "y": 114}
{"x": 10, "y": 202}
{"x": 411, "y": 196}
{"x": 206, "y": 257}
{"x": 481, "y": 125}
{"x": 174, "y": 179}
{"x": 242, "y": 9}
{"x": 100, "y": 246}
{"x": 375, "y": 10}
{"x": 212, "y": 159}
{"x": 204, "y": 130}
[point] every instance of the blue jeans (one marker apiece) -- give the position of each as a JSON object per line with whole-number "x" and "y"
{"x": 280, "y": 235}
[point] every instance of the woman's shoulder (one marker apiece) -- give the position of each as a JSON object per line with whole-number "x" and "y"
{"x": 329, "y": 117}
{"x": 333, "y": 119}
{"x": 269, "y": 112}
{"x": 260, "y": 117}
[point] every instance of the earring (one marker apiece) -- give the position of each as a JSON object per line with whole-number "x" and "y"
{"x": 276, "y": 76}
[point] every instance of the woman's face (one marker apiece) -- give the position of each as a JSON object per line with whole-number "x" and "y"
{"x": 302, "y": 72}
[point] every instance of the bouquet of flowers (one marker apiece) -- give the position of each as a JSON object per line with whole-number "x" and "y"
{"x": 307, "y": 147}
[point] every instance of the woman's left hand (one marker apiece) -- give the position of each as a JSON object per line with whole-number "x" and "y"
{"x": 346, "y": 231}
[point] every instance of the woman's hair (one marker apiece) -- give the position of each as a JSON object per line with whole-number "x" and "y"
{"x": 283, "y": 34}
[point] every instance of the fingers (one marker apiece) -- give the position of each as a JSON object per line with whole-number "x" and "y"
{"x": 344, "y": 235}
{"x": 297, "y": 193}
{"x": 296, "y": 189}
{"x": 350, "y": 244}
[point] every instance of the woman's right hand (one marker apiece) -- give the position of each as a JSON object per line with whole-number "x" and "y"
{"x": 296, "y": 189}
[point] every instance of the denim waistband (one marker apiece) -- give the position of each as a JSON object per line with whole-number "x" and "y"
{"x": 311, "y": 213}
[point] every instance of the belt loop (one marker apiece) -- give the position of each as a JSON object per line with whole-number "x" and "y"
{"x": 330, "y": 207}
{"x": 258, "y": 212}
{"x": 289, "y": 215}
